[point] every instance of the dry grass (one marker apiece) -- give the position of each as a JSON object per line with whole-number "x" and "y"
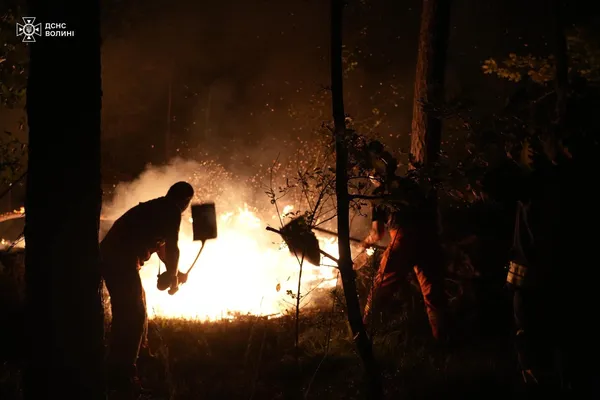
{"x": 255, "y": 358}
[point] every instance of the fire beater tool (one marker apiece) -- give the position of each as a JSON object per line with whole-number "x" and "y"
{"x": 301, "y": 241}
{"x": 204, "y": 227}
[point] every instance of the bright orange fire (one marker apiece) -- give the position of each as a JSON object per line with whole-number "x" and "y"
{"x": 246, "y": 270}
{"x": 243, "y": 271}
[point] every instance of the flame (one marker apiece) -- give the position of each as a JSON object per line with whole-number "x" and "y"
{"x": 286, "y": 210}
{"x": 15, "y": 214}
{"x": 244, "y": 271}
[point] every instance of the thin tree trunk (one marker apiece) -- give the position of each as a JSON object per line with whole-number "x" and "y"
{"x": 562, "y": 66}
{"x": 363, "y": 342}
{"x": 168, "y": 131}
{"x": 429, "y": 82}
{"x": 64, "y": 307}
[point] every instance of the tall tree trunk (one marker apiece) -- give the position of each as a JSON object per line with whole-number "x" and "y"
{"x": 363, "y": 342}
{"x": 429, "y": 82}
{"x": 562, "y": 66}
{"x": 64, "y": 308}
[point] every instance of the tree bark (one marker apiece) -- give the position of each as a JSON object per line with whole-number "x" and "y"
{"x": 562, "y": 66}
{"x": 64, "y": 308}
{"x": 363, "y": 342}
{"x": 429, "y": 82}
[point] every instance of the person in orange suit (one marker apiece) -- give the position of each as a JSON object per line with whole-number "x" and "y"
{"x": 414, "y": 246}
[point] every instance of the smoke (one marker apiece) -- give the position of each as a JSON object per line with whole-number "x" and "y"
{"x": 242, "y": 80}
{"x": 244, "y": 270}
{"x": 211, "y": 182}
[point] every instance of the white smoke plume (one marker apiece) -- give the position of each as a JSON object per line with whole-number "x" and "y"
{"x": 245, "y": 270}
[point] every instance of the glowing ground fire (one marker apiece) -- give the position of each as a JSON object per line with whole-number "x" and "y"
{"x": 246, "y": 270}
{"x": 243, "y": 271}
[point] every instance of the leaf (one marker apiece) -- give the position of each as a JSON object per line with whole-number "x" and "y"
{"x": 278, "y": 287}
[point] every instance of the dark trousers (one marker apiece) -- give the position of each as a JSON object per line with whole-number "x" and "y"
{"x": 544, "y": 337}
{"x": 534, "y": 342}
{"x": 412, "y": 252}
{"x": 129, "y": 317}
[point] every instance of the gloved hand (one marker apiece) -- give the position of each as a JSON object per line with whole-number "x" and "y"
{"x": 181, "y": 277}
{"x": 363, "y": 246}
{"x": 166, "y": 281}
{"x": 173, "y": 284}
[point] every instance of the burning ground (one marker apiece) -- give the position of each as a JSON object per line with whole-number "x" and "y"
{"x": 246, "y": 270}
{"x": 218, "y": 350}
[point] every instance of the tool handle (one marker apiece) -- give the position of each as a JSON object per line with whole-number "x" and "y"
{"x": 352, "y": 239}
{"x": 332, "y": 233}
{"x": 174, "y": 290}
{"x": 273, "y": 230}
{"x": 332, "y": 258}
{"x": 197, "y": 256}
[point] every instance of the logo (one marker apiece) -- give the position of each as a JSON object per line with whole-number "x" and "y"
{"x": 29, "y": 29}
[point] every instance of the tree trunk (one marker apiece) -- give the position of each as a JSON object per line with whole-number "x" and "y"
{"x": 64, "y": 308}
{"x": 363, "y": 342}
{"x": 429, "y": 82}
{"x": 562, "y": 67}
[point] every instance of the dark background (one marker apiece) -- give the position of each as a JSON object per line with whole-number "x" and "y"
{"x": 248, "y": 78}
{"x": 250, "y": 62}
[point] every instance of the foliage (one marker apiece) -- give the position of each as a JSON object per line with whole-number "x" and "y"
{"x": 527, "y": 129}
{"x": 584, "y": 58}
{"x": 306, "y": 179}
{"x": 13, "y": 61}
{"x": 13, "y": 81}
{"x": 12, "y": 153}
{"x": 541, "y": 70}
{"x": 585, "y": 54}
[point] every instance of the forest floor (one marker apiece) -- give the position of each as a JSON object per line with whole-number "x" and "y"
{"x": 256, "y": 358}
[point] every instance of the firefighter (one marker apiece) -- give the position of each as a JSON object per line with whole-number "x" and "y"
{"x": 532, "y": 277}
{"x": 149, "y": 227}
{"x": 414, "y": 245}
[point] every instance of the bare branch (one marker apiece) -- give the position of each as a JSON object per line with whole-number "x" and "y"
{"x": 365, "y": 197}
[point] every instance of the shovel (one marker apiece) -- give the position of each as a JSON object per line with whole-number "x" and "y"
{"x": 204, "y": 227}
{"x": 301, "y": 241}
{"x": 352, "y": 239}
